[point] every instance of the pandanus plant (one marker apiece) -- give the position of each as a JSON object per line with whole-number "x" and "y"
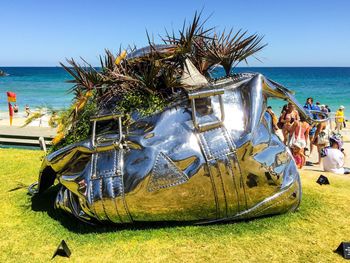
{"x": 156, "y": 74}
{"x": 228, "y": 49}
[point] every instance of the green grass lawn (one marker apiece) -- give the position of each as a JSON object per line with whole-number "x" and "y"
{"x": 30, "y": 231}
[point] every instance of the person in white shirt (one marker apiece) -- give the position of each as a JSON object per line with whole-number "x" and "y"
{"x": 333, "y": 157}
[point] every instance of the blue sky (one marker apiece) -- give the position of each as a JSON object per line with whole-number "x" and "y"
{"x": 298, "y": 33}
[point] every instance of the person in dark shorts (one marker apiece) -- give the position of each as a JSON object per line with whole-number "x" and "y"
{"x": 27, "y": 109}
{"x": 15, "y": 108}
{"x": 310, "y": 106}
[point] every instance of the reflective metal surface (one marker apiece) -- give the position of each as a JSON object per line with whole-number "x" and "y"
{"x": 213, "y": 156}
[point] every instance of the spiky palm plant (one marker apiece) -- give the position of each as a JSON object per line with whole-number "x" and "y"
{"x": 228, "y": 49}
{"x": 186, "y": 37}
{"x": 145, "y": 80}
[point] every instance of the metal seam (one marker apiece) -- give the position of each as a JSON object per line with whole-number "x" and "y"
{"x": 222, "y": 186}
{"x": 234, "y": 183}
{"x": 102, "y": 179}
{"x": 93, "y": 171}
{"x": 122, "y": 185}
{"x": 211, "y": 175}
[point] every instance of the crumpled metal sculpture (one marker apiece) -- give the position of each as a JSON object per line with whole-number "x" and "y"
{"x": 211, "y": 156}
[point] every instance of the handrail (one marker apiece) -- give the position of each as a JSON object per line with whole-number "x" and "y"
{"x": 24, "y": 137}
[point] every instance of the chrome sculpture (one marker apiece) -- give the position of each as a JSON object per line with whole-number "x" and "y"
{"x": 211, "y": 156}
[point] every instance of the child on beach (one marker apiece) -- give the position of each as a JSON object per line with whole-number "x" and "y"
{"x": 298, "y": 155}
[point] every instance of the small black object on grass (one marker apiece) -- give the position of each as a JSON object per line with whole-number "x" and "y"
{"x": 322, "y": 180}
{"x": 62, "y": 250}
{"x": 344, "y": 250}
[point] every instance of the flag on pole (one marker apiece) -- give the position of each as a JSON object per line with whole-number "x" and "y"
{"x": 10, "y": 113}
{"x": 11, "y": 96}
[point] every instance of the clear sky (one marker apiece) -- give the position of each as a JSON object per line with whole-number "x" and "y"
{"x": 298, "y": 33}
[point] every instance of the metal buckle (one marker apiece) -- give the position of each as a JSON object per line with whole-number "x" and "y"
{"x": 201, "y": 127}
{"x": 95, "y": 119}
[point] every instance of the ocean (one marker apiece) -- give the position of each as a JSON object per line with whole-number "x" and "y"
{"x": 47, "y": 87}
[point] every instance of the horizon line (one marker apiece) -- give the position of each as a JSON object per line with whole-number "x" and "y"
{"x": 235, "y": 67}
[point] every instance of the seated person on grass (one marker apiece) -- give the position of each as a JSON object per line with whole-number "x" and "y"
{"x": 333, "y": 156}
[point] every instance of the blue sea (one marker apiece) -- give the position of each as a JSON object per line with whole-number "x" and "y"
{"x": 47, "y": 87}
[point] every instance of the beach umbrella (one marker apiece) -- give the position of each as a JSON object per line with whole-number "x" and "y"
{"x": 11, "y": 97}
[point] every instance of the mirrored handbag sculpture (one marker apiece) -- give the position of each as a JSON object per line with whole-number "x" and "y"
{"x": 210, "y": 156}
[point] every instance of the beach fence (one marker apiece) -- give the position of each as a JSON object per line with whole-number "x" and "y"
{"x": 28, "y": 136}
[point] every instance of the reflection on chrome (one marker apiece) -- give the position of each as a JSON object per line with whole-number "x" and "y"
{"x": 221, "y": 162}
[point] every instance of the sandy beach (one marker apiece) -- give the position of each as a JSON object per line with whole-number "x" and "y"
{"x": 18, "y": 134}
{"x": 17, "y": 121}
{"x": 20, "y": 118}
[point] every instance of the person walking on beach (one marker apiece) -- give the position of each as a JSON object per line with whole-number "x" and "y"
{"x": 27, "y": 110}
{"x": 15, "y": 108}
{"x": 321, "y": 138}
{"x": 310, "y": 106}
{"x": 339, "y": 118}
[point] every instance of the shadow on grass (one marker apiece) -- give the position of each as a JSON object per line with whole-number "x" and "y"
{"x": 45, "y": 202}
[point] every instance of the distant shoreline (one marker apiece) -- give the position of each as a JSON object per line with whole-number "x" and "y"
{"x": 236, "y": 67}
{"x": 47, "y": 87}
